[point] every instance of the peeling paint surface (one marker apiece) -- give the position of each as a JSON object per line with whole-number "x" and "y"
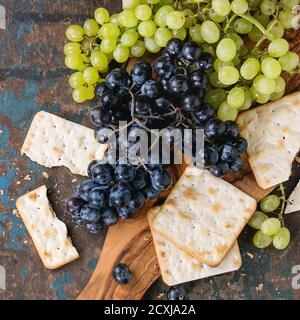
{"x": 33, "y": 78}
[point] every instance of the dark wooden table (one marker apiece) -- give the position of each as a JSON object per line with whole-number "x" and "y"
{"x": 33, "y": 78}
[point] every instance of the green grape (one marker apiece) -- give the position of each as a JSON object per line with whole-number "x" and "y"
{"x": 129, "y": 37}
{"x": 101, "y": 15}
{"x": 72, "y": 47}
{"x": 268, "y": 7}
{"x": 296, "y": 22}
{"x": 80, "y": 94}
{"x": 236, "y": 60}
{"x": 221, "y": 7}
{"x": 86, "y": 45}
{"x": 214, "y": 80}
{"x": 147, "y": 28}
{"x": 190, "y": 18}
{"x": 91, "y": 27}
{"x": 280, "y": 85}
{"x": 264, "y": 20}
{"x": 130, "y": 4}
{"x": 85, "y": 59}
{"x": 264, "y": 85}
{"x": 243, "y": 26}
{"x": 76, "y": 80}
{"x": 271, "y": 226}
{"x": 153, "y": 1}
{"x": 276, "y": 31}
{"x": 161, "y": 15}
{"x": 218, "y": 64}
{"x": 74, "y": 61}
{"x": 114, "y": 19}
{"x": 175, "y": 20}
{"x": 143, "y": 12}
{"x": 236, "y": 97}
{"x": 109, "y": 30}
{"x": 151, "y": 45}
{"x": 99, "y": 60}
{"x": 286, "y": 19}
{"x": 270, "y": 203}
{"x": 108, "y": 45}
{"x": 261, "y": 240}
{"x": 271, "y": 68}
{"x": 162, "y": 36}
{"x": 215, "y": 97}
{"x": 248, "y": 99}
{"x": 127, "y": 19}
{"x": 257, "y": 220}
{"x": 290, "y": 3}
{"x": 289, "y": 61}
{"x": 262, "y": 98}
{"x": 239, "y": 43}
{"x": 278, "y": 47}
{"x": 90, "y": 75}
{"x": 210, "y": 32}
{"x": 138, "y": 49}
{"x": 74, "y": 33}
{"x": 209, "y": 49}
{"x": 195, "y": 33}
{"x": 277, "y": 95}
{"x": 239, "y": 6}
{"x": 121, "y": 53}
{"x": 90, "y": 92}
{"x": 226, "y": 50}
{"x": 282, "y": 239}
{"x": 255, "y": 3}
{"x": 215, "y": 17}
{"x": 226, "y": 113}
{"x": 228, "y": 75}
{"x": 179, "y": 34}
{"x": 166, "y": 2}
{"x": 255, "y": 34}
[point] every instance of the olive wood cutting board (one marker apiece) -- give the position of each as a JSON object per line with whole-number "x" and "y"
{"x": 130, "y": 241}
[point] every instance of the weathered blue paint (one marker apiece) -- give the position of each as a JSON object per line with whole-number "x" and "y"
{"x": 59, "y": 288}
{"x": 24, "y": 272}
{"x": 92, "y": 264}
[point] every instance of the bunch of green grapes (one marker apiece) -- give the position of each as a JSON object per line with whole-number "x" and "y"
{"x": 270, "y": 230}
{"x": 142, "y": 25}
{"x": 244, "y": 76}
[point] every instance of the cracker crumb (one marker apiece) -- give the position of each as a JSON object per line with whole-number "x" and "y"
{"x": 18, "y": 182}
{"x": 46, "y": 175}
{"x": 16, "y": 213}
{"x": 74, "y": 180}
{"x": 1, "y": 192}
{"x": 27, "y": 178}
{"x": 243, "y": 274}
{"x": 259, "y": 287}
{"x": 25, "y": 241}
{"x": 160, "y": 295}
{"x": 249, "y": 254}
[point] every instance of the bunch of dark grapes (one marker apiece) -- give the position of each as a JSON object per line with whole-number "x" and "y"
{"x": 169, "y": 96}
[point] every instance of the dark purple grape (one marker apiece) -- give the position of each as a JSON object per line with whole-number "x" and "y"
{"x": 205, "y": 61}
{"x": 126, "y": 212}
{"x": 117, "y": 80}
{"x": 174, "y": 48}
{"x": 164, "y": 67}
{"x": 149, "y": 192}
{"x": 141, "y": 72}
{"x": 74, "y": 205}
{"x": 237, "y": 164}
{"x": 219, "y": 169}
{"x": 120, "y": 195}
{"x": 140, "y": 180}
{"x": 94, "y": 228}
{"x": 150, "y": 89}
{"x": 100, "y": 117}
{"x": 214, "y": 129}
{"x": 228, "y": 153}
{"x": 203, "y": 114}
{"x": 176, "y": 293}
{"x": 191, "y": 51}
{"x": 90, "y": 215}
{"x": 97, "y": 198}
{"x": 232, "y": 130}
{"x": 102, "y": 173}
{"x": 179, "y": 84}
{"x": 160, "y": 179}
{"x": 109, "y": 216}
{"x": 125, "y": 172}
{"x": 137, "y": 200}
{"x": 100, "y": 89}
{"x": 190, "y": 102}
{"x": 110, "y": 99}
{"x": 85, "y": 188}
{"x": 198, "y": 79}
{"x": 122, "y": 274}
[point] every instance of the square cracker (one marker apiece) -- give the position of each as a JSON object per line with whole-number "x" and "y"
{"x": 177, "y": 266}
{"x": 293, "y": 202}
{"x": 53, "y": 141}
{"x": 48, "y": 233}
{"x": 273, "y": 135}
{"x": 204, "y": 215}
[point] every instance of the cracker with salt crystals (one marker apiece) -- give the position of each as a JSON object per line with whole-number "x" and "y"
{"x": 293, "y": 202}
{"x": 273, "y": 135}
{"x": 204, "y": 215}
{"x": 177, "y": 266}
{"x": 48, "y": 233}
{"x": 53, "y": 141}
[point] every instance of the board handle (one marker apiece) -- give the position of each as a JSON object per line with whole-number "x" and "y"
{"x": 129, "y": 242}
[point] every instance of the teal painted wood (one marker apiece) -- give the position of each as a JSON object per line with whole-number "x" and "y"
{"x": 33, "y": 78}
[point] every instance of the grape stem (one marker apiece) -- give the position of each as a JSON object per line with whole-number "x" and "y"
{"x": 255, "y": 22}
{"x": 229, "y": 23}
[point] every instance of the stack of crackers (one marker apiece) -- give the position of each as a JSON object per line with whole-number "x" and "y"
{"x": 195, "y": 231}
